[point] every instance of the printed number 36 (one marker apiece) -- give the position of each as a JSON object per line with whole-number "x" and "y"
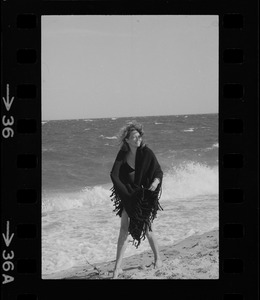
{"x": 7, "y": 131}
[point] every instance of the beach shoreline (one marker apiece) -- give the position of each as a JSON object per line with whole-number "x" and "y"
{"x": 196, "y": 257}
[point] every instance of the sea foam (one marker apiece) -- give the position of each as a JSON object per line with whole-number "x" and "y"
{"x": 190, "y": 179}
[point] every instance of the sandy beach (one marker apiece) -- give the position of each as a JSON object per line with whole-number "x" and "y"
{"x": 196, "y": 257}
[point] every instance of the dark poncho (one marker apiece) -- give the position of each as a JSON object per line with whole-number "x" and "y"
{"x": 140, "y": 204}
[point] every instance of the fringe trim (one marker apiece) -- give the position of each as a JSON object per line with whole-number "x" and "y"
{"x": 117, "y": 202}
{"x": 142, "y": 210}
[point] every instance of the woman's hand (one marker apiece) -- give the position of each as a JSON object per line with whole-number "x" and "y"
{"x": 154, "y": 185}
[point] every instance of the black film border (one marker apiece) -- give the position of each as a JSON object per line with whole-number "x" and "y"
{"x": 21, "y": 146}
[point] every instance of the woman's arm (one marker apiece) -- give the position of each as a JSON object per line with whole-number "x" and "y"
{"x": 155, "y": 167}
{"x": 157, "y": 173}
{"x": 114, "y": 174}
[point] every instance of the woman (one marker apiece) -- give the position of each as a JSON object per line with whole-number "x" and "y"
{"x": 137, "y": 179}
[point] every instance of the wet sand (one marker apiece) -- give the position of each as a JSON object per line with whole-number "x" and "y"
{"x": 196, "y": 257}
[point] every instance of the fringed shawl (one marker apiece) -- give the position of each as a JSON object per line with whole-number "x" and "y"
{"x": 140, "y": 204}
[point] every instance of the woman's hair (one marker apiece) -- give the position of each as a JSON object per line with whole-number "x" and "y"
{"x": 125, "y": 132}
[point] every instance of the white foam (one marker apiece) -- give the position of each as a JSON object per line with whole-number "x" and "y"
{"x": 190, "y": 179}
{"x": 57, "y": 261}
{"x": 90, "y": 196}
{"x": 189, "y": 130}
{"x": 96, "y": 195}
{"x": 60, "y": 202}
{"x": 108, "y": 137}
{"x": 214, "y": 146}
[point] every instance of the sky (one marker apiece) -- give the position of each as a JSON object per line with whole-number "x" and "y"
{"x": 122, "y": 66}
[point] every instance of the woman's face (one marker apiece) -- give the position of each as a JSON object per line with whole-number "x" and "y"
{"x": 134, "y": 139}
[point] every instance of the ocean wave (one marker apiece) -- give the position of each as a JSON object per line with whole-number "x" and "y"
{"x": 189, "y": 130}
{"x": 108, "y": 137}
{"x": 214, "y": 146}
{"x": 190, "y": 179}
{"x": 48, "y": 149}
{"x": 90, "y": 196}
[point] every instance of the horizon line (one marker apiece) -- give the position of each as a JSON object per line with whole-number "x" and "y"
{"x": 114, "y": 117}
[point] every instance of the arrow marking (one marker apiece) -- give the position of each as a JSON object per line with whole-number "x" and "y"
{"x": 6, "y": 237}
{"x": 8, "y": 102}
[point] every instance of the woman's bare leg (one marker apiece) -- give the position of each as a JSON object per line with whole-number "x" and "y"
{"x": 154, "y": 245}
{"x": 122, "y": 242}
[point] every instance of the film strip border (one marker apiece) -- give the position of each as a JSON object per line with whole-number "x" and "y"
{"x": 20, "y": 132}
{"x": 21, "y": 153}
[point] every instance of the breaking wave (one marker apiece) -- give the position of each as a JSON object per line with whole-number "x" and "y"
{"x": 190, "y": 179}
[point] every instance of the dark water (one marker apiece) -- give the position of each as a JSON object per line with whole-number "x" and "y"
{"x": 80, "y": 153}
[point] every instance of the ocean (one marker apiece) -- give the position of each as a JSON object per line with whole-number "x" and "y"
{"x": 78, "y": 222}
